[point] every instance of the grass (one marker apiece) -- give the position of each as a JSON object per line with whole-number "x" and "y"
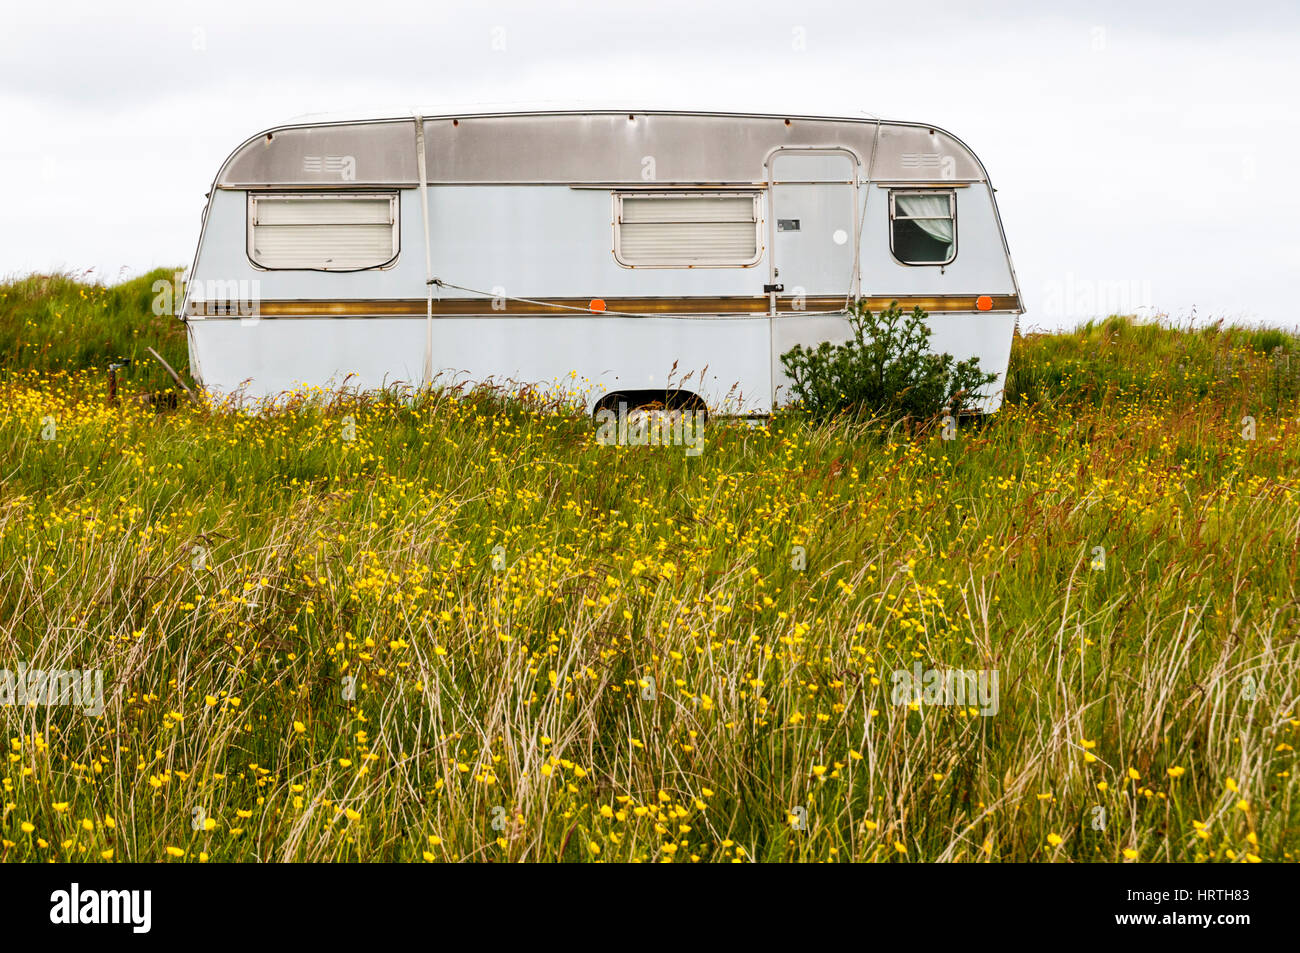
{"x": 59, "y": 323}
{"x": 457, "y": 628}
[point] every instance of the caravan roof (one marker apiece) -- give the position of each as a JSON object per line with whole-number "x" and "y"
{"x": 598, "y": 147}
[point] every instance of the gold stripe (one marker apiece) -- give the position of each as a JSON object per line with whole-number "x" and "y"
{"x": 414, "y": 307}
{"x": 943, "y": 303}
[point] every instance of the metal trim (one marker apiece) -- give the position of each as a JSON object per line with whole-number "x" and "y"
{"x": 663, "y": 185}
{"x": 748, "y": 306}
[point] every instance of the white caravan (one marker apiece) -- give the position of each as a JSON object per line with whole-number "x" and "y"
{"x": 611, "y": 256}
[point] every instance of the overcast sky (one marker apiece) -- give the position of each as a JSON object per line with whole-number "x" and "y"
{"x": 1142, "y": 157}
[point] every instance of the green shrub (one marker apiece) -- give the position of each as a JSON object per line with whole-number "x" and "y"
{"x": 885, "y": 370}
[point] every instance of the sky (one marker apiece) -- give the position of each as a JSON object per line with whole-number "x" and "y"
{"x": 1143, "y": 154}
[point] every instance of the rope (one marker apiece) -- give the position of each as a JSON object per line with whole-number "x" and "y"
{"x": 862, "y": 222}
{"x": 622, "y": 314}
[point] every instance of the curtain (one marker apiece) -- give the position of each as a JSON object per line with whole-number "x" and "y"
{"x": 932, "y": 214}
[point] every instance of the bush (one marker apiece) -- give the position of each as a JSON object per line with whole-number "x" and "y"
{"x": 886, "y": 370}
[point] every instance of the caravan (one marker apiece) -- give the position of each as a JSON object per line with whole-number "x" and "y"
{"x": 609, "y": 257}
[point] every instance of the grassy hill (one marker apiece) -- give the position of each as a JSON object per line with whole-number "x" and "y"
{"x": 56, "y": 324}
{"x": 459, "y": 628}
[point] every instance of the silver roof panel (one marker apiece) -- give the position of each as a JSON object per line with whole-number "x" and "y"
{"x": 583, "y": 147}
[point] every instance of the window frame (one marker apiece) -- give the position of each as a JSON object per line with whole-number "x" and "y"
{"x": 394, "y": 197}
{"x": 754, "y": 194}
{"x": 894, "y": 216}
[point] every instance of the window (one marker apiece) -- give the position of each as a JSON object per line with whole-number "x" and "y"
{"x": 923, "y": 227}
{"x": 684, "y": 229}
{"x": 338, "y": 231}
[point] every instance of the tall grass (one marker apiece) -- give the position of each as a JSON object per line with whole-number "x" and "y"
{"x": 357, "y": 627}
{"x": 62, "y": 322}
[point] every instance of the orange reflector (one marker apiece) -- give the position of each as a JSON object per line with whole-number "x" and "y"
{"x": 597, "y": 304}
{"x": 984, "y": 303}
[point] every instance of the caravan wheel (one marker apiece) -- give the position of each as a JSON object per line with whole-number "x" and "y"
{"x": 650, "y": 420}
{"x": 649, "y": 406}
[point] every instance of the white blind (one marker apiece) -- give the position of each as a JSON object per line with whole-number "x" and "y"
{"x": 323, "y": 231}
{"x": 688, "y": 229}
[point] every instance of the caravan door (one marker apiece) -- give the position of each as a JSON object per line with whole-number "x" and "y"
{"x": 813, "y": 224}
{"x": 813, "y": 234}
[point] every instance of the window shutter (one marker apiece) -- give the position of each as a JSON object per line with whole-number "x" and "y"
{"x": 324, "y": 232}
{"x": 688, "y": 229}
